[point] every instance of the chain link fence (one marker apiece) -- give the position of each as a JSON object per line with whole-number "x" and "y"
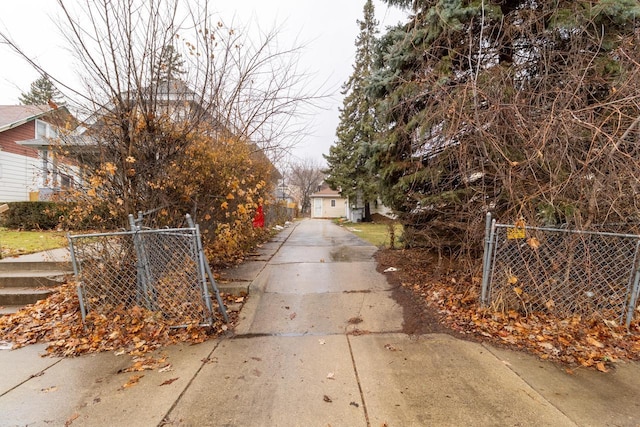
{"x": 562, "y": 272}
{"x": 162, "y": 270}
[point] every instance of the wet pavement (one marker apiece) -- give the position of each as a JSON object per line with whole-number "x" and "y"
{"x": 319, "y": 343}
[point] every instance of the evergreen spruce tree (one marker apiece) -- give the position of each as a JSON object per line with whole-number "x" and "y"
{"x": 347, "y": 160}
{"x": 518, "y": 108}
{"x": 41, "y": 92}
{"x": 170, "y": 65}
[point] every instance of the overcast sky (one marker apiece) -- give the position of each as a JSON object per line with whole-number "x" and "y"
{"x": 327, "y": 27}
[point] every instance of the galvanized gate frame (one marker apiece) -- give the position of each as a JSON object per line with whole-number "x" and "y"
{"x": 491, "y": 249}
{"x": 144, "y": 277}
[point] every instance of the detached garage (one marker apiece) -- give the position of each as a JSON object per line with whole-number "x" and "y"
{"x": 328, "y": 203}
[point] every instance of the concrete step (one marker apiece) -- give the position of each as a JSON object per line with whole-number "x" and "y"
{"x": 8, "y": 265}
{"x": 9, "y": 309}
{"x": 21, "y": 296}
{"x": 32, "y": 279}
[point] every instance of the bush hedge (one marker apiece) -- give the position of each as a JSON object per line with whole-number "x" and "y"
{"x": 53, "y": 215}
{"x": 33, "y": 215}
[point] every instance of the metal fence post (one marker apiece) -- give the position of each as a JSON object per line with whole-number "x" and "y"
{"x": 76, "y": 270}
{"x": 143, "y": 273}
{"x": 634, "y": 290}
{"x": 205, "y": 265}
{"x": 486, "y": 262}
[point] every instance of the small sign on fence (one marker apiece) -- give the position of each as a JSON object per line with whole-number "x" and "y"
{"x": 514, "y": 233}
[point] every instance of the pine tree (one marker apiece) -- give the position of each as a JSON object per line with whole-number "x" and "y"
{"x": 41, "y": 92}
{"x": 520, "y": 108}
{"x": 347, "y": 160}
{"x": 170, "y": 65}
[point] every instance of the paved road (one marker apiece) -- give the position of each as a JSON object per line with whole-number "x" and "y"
{"x": 319, "y": 344}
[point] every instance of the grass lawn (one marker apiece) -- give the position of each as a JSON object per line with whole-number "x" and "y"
{"x": 25, "y": 242}
{"x": 374, "y": 233}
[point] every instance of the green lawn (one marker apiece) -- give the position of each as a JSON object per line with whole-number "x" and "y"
{"x": 25, "y": 242}
{"x": 376, "y": 234}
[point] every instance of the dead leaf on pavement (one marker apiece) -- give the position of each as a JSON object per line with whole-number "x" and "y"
{"x": 166, "y": 368}
{"x": 169, "y": 381}
{"x": 144, "y": 364}
{"x": 71, "y": 419}
{"x": 133, "y": 380}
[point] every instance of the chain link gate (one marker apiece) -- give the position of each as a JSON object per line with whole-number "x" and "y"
{"x": 162, "y": 270}
{"x": 562, "y": 272}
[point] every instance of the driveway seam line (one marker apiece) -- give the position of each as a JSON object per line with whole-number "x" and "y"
{"x": 540, "y": 395}
{"x": 355, "y": 370}
{"x": 37, "y": 374}
{"x": 165, "y": 418}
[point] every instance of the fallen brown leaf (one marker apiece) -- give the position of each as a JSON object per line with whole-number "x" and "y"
{"x": 169, "y": 381}
{"x": 133, "y": 380}
{"x": 71, "y": 419}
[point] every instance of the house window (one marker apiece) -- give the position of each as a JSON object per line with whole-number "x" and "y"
{"x": 45, "y": 130}
{"x": 333, "y": 203}
{"x": 66, "y": 181}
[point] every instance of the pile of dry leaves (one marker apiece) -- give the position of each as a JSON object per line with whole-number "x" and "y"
{"x": 440, "y": 288}
{"x": 58, "y": 322}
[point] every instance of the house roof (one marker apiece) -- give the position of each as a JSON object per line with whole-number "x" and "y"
{"x": 12, "y": 116}
{"x": 327, "y": 193}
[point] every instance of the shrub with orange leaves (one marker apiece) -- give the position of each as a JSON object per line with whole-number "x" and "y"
{"x": 169, "y": 167}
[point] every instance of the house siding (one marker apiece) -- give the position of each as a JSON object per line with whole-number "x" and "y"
{"x": 328, "y": 211}
{"x": 17, "y": 175}
{"x": 20, "y": 133}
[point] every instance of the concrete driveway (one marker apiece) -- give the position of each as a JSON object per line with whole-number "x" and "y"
{"x": 319, "y": 343}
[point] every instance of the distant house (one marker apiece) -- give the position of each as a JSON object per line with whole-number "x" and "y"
{"x": 29, "y": 169}
{"x": 328, "y": 203}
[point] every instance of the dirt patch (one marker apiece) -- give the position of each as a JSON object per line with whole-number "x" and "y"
{"x": 413, "y": 266}
{"x": 381, "y": 219}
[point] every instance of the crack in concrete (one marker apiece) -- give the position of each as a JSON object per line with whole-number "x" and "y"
{"x": 37, "y": 374}
{"x": 355, "y": 370}
{"x": 166, "y": 420}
